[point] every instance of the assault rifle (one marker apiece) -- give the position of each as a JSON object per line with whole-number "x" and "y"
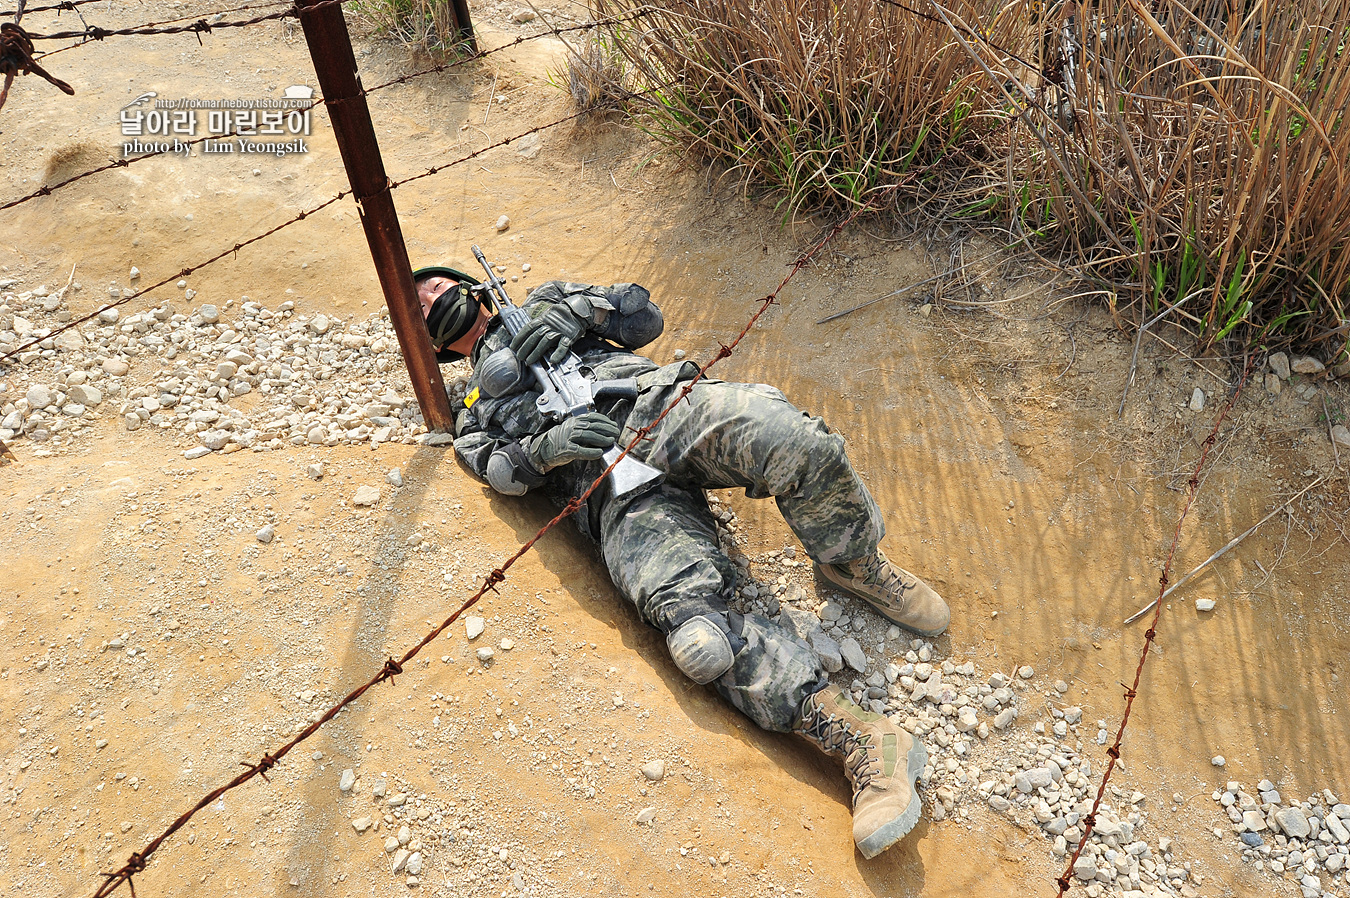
{"x": 566, "y": 389}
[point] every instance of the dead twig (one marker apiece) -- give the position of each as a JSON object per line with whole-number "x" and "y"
{"x": 1219, "y": 554}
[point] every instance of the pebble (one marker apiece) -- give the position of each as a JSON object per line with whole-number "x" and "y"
{"x": 645, "y": 816}
{"x": 361, "y": 824}
{"x": 1218, "y": 761}
{"x": 654, "y": 770}
{"x": 827, "y": 650}
{"x": 474, "y": 627}
{"x": 1204, "y": 604}
{"x": 1306, "y": 365}
{"x": 502, "y": 223}
{"x": 520, "y": 17}
{"x": 1293, "y": 822}
{"x": 507, "y": 645}
{"x": 484, "y": 654}
{"x": 1026, "y": 672}
{"x": 347, "y": 780}
{"x": 1005, "y": 718}
{"x": 400, "y": 860}
{"x": 366, "y": 495}
{"x": 1197, "y": 400}
{"x": 194, "y": 453}
{"x": 1279, "y": 365}
{"x": 267, "y": 533}
{"x": 315, "y": 471}
{"x": 414, "y": 866}
{"x": 394, "y": 477}
{"x": 1340, "y": 435}
{"x": 853, "y": 654}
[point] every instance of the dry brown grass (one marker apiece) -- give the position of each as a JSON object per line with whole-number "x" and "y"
{"x": 1191, "y": 155}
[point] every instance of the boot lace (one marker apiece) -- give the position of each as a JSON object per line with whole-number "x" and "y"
{"x": 837, "y": 737}
{"x": 878, "y": 571}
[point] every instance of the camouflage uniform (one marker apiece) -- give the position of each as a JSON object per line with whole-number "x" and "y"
{"x": 661, "y": 547}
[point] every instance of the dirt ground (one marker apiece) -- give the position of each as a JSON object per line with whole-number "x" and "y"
{"x": 140, "y": 609}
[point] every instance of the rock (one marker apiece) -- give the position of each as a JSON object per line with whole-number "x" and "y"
{"x": 1253, "y": 821}
{"x": 966, "y": 719}
{"x": 194, "y": 453}
{"x": 1340, "y": 435}
{"x": 799, "y": 622}
{"x": 999, "y": 803}
{"x": 654, "y": 770}
{"x": 1293, "y": 822}
{"x": 853, "y": 654}
{"x": 361, "y": 824}
{"x": 115, "y": 367}
{"x": 1272, "y": 384}
{"x": 1197, "y": 400}
{"x": 39, "y": 396}
{"x": 366, "y": 495}
{"x": 400, "y": 860}
{"x": 1279, "y": 365}
{"x": 210, "y": 314}
{"x": 521, "y": 16}
{"x": 394, "y": 477}
{"x": 502, "y": 223}
{"x": 69, "y": 340}
{"x": 315, "y": 471}
{"x": 506, "y": 645}
{"x": 831, "y": 612}
{"x": 1204, "y": 604}
{"x": 1303, "y": 364}
{"x": 1005, "y": 718}
{"x": 474, "y": 627}
{"x": 1338, "y": 830}
{"x": 214, "y": 439}
{"x": 1085, "y": 868}
{"x": 267, "y": 534}
{"x": 1026, "y": 672}
{"x": 1252, "y": 840}
{"x": 1335, "y": 863}
{"x": 347, "y": 780}
{"x": 320, "y": 324}
{"x": 828, "y": 652}
{"x": 86, "y": 394}
{"x": 226, "y": 370}
{"x": 1073, "y": 715}
{"x": 390, "y": 845}
{"x": 484, "y": 654}
{"x": 414, "y": 866}
{"x": 645, "y": 816}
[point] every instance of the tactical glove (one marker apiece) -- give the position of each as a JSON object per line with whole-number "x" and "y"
{"x": 551, "y": 334}
{"x": 586, "y": 436}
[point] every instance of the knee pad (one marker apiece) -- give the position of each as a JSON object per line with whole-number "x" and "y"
{"x": 702, "y": 649}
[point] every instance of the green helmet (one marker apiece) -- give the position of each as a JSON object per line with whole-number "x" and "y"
{"x": 454, "y": 312}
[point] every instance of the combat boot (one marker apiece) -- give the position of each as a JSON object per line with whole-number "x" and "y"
{"x": 881, "y": 760}
{"x": 898, "y": 595}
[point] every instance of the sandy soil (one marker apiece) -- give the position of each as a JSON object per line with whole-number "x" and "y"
{"x": 986, "y": 425}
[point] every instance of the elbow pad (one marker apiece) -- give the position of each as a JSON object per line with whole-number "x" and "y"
{"x": 510, "y": 473}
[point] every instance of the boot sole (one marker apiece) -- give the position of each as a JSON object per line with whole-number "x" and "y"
{"x": 871, "y": 603}
{"x": 898, "y": 828}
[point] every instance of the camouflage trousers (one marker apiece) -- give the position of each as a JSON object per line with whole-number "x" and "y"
{"x": 661, "y": 548}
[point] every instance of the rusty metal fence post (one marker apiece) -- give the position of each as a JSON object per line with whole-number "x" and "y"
{"x": 330, "y": 47}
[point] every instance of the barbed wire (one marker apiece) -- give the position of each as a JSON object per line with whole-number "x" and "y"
{"x": 436, "y": 169}
{"x": 1132, "y": 691}
{"x": 979, "y": 34}
{"x": 48, "y": 189}
{"x": 70, "y": 5}
{"x": 136, "y": 863}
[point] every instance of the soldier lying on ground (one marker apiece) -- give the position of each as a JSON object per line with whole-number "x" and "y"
{"x": 660, "y": 545}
